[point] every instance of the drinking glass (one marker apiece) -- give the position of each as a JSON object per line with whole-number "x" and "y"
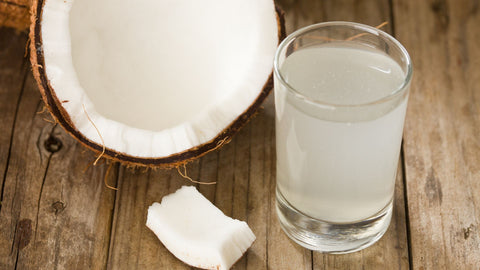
{"x": 341, "y": 92}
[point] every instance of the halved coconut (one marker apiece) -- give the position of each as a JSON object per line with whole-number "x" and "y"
{"x": 155, "y": 82}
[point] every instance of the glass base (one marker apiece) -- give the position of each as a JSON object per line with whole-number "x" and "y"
{"x": 328, "y": 237}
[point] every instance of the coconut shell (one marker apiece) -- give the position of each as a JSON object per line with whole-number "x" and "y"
{"x": 56, "y": 109}
{"x": 15, "y": 13}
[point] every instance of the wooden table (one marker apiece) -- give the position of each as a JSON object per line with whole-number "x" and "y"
{"x": 56, "y": 212}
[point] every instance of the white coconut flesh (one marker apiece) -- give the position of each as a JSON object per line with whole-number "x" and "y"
{"x": 197, "y": 232}
{"x": 157, "y": 77}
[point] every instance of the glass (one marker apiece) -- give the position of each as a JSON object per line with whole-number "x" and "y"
{"x": 341, "y": 92}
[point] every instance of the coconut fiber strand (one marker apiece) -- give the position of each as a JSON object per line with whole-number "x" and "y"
{"x": 15, "y": 13}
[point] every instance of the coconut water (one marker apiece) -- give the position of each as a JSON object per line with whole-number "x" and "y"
{"x": 337, "y": 151}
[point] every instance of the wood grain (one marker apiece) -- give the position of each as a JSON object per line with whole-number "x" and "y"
{"x": 13, "y": 71}
{"x": 442, "y": 132}
{"x": 54, "y": 214}
{"x": 67, "y": 210}
{"x": 133, "y": 245}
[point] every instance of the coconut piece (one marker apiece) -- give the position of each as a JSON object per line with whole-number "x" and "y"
{"x": 163, "y": 82}
{"x": 197, "y": 232}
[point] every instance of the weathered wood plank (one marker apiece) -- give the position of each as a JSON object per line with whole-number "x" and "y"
{"x": 13, "y": 70}
{"x": 442, "y": 132}
{"x": 74, "y": 209}
{"x": 233, "y": 180}
{"x": 12, "y": 73}
{"x": 54, "y": 215}
{"x": 133, "y": 245}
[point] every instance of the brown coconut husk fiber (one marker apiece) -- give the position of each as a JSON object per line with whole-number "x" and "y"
{"x": 184, "y": 175}
{"x": 15, "y": 14}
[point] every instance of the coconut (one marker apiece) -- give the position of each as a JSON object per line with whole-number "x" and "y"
{"x": 197, "y": 232}
{"x": 155, "y": 83}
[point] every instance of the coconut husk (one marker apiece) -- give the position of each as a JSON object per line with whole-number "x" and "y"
{"x": 15, "y": 13}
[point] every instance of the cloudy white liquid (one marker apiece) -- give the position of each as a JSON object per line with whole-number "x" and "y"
{"x": 329, "y": 167}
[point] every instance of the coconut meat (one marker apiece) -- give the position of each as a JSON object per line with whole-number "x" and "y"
{"x": 157, "y": 77}
{"x": 197, "y": 232}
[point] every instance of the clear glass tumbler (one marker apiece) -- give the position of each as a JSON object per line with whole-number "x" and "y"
{"x": 341, "y": 92}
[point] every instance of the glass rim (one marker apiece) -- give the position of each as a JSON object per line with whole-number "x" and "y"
{"x": 362, "y": 27}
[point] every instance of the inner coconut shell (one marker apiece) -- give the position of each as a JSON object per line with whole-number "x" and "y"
{"x": 61, "y": 116}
